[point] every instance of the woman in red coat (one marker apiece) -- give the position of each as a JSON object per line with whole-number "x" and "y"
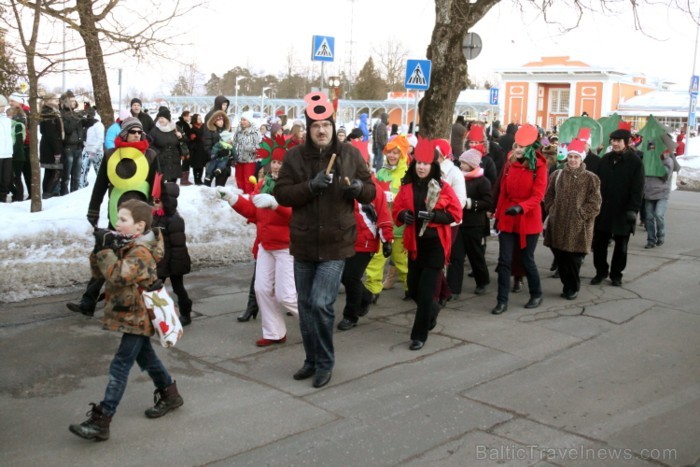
{"x": 427, "y": 206}
{"x": 519, "y": 215}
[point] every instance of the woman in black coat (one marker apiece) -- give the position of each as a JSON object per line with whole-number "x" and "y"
{"x": 176, "y": 260}
{"x": 165, "y": 140}
{"x": 51, "y": 146}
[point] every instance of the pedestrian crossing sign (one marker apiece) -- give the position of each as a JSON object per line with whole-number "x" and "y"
{"x": 418, "y": 74}
{"x": 323, "y": 48}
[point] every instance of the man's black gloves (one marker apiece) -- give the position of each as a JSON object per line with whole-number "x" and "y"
{"x": 406, "y": 217}
{"x": 352, "y": 191}
{"x": 370, "y": 212}
{"x": 426, "y": 215}
{"x": 319, "y": 182}
{"x": 631, "y": 217}
{"x": 103, "y": 239}
{"x": 386, "y": 249}
{"x": 514, "y": 210}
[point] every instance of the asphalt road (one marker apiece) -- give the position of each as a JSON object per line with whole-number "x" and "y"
{"x": 611, "y": 378}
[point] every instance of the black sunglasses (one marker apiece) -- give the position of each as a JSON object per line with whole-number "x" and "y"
{"x": 135, "y": 132}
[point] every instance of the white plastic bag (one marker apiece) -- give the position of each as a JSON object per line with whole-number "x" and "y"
{"x": 164, "y": 316}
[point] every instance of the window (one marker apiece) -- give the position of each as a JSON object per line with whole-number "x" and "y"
{"x": 559, "y": 101}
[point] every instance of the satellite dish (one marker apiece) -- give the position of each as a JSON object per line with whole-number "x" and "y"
{"x": 471, "y": 46}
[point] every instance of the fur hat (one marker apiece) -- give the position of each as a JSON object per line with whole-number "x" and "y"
{"x": 471, "y": 157}
{"x": 621, "y": 134}
{"x": 135, "y": 100}
{"x": 130, "y": 123}
{"x": 164, "y": 112}
{"x": 214, "y": 116}
{"x": 248, "y": 115}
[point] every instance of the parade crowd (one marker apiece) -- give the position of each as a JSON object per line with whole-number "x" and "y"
{"x": 330, "y": 210}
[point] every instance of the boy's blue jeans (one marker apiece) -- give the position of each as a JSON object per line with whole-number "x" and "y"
{"x": 132, "y": 349}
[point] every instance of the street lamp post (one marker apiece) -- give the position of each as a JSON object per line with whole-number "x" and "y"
{"x": 262, "y": 99}
{"x": 235, "y": 104}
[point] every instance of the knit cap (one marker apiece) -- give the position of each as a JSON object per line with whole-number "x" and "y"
{"x": 131, "y": 123}
{"x": 472, "y": 157}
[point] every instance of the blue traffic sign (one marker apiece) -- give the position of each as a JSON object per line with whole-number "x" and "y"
{"x": 493, "y": 96}
{"x": 418, "y": 74}
{"x": 323, "y": 48}
{"x": 694, "y": 81}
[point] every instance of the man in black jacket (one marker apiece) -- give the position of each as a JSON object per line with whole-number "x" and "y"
{"x": 621, "y": 186}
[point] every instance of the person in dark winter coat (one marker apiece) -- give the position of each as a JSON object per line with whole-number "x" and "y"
{"x": 211, "y": 134}
{"x": 471, "y": 240}
{"x": 126, "y": 261}
{"x": 165, "y": 139}
{"x": 322, "y": 228}
{"x": 72, "y": 144}
{"x": 220, "y": 103}
{"x": 506, "y": 140}
{"x": 176, "y": 259}
{"x": 198, "y": 157}
{"x": 51, "y": 146}
{"x": 184, "y": 126}
{"x": 131, "y": 150}
{"x": 379, "y": 139}
{"x": 621, "y": 176}
{"x": 144, "y": 118}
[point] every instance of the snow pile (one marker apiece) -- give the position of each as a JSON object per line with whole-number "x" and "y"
{"x": 46, "y": 252}
{"x": 689, "y": 175}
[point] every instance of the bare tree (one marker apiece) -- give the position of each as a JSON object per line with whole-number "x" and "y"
{"x": 391, "y": 61}
{"x": 454, "y": 18}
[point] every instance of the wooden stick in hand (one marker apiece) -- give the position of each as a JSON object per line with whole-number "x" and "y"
{"x": 330, "y": 164}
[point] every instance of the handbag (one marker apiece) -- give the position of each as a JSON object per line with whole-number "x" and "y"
{"x": 163, "y": 314}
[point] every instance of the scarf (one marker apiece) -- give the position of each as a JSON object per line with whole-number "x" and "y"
{"x": 140, "y": 145}
{"x": 476, "y": 173}
{"x": 268, "y": 185}
{"x": 530, "y": 154}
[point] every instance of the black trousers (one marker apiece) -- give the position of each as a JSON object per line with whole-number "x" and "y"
{"x": 600, "y": 254}
{"x": 92, "y": 293}
{"x": 22, "y": 169}
{"x": 421, "y": 283}
{"x": 178, "y": 283}
{"x": 569, "y": 268}
{"x": 356, "y": 294}
{"x": 469, "y": 242}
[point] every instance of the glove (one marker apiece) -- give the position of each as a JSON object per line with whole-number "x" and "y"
{"x": 389, "y": 196}
{"x": 223, "y": 153}
{"x": 352, "y": 191}
{"x": 319, "y": 182}
{"x": 426, "y": 215}
{"x": 514, "y": 210}
{"x": 265, "y": 201}
{"x": 229, "y": 196}
{"x": 371, "y": 213}
{"x": 631, "y": 217}
{"x": 386, "y": 249}
{"x": 93, "y": 220}
{"x": 104, "y": 239}
{"x": 406, "y": 217}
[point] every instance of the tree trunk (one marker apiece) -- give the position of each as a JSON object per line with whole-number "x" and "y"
{"x": 95, "y": 58}
{"x": 448, "y": 77}
{"x": 33, "y": 128}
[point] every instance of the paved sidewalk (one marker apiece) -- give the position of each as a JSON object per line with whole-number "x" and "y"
{"x": 611, "y": 378}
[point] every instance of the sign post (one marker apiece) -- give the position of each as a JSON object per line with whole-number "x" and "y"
{"x": 417, "y": 78}
{"x": 322, "y": 50}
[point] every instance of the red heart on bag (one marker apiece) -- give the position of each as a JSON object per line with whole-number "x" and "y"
{"x": 164, "y": 328}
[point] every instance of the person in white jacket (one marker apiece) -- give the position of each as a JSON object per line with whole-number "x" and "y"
{"x": 93, "y": 152}
{"x": 6, "y": 146}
